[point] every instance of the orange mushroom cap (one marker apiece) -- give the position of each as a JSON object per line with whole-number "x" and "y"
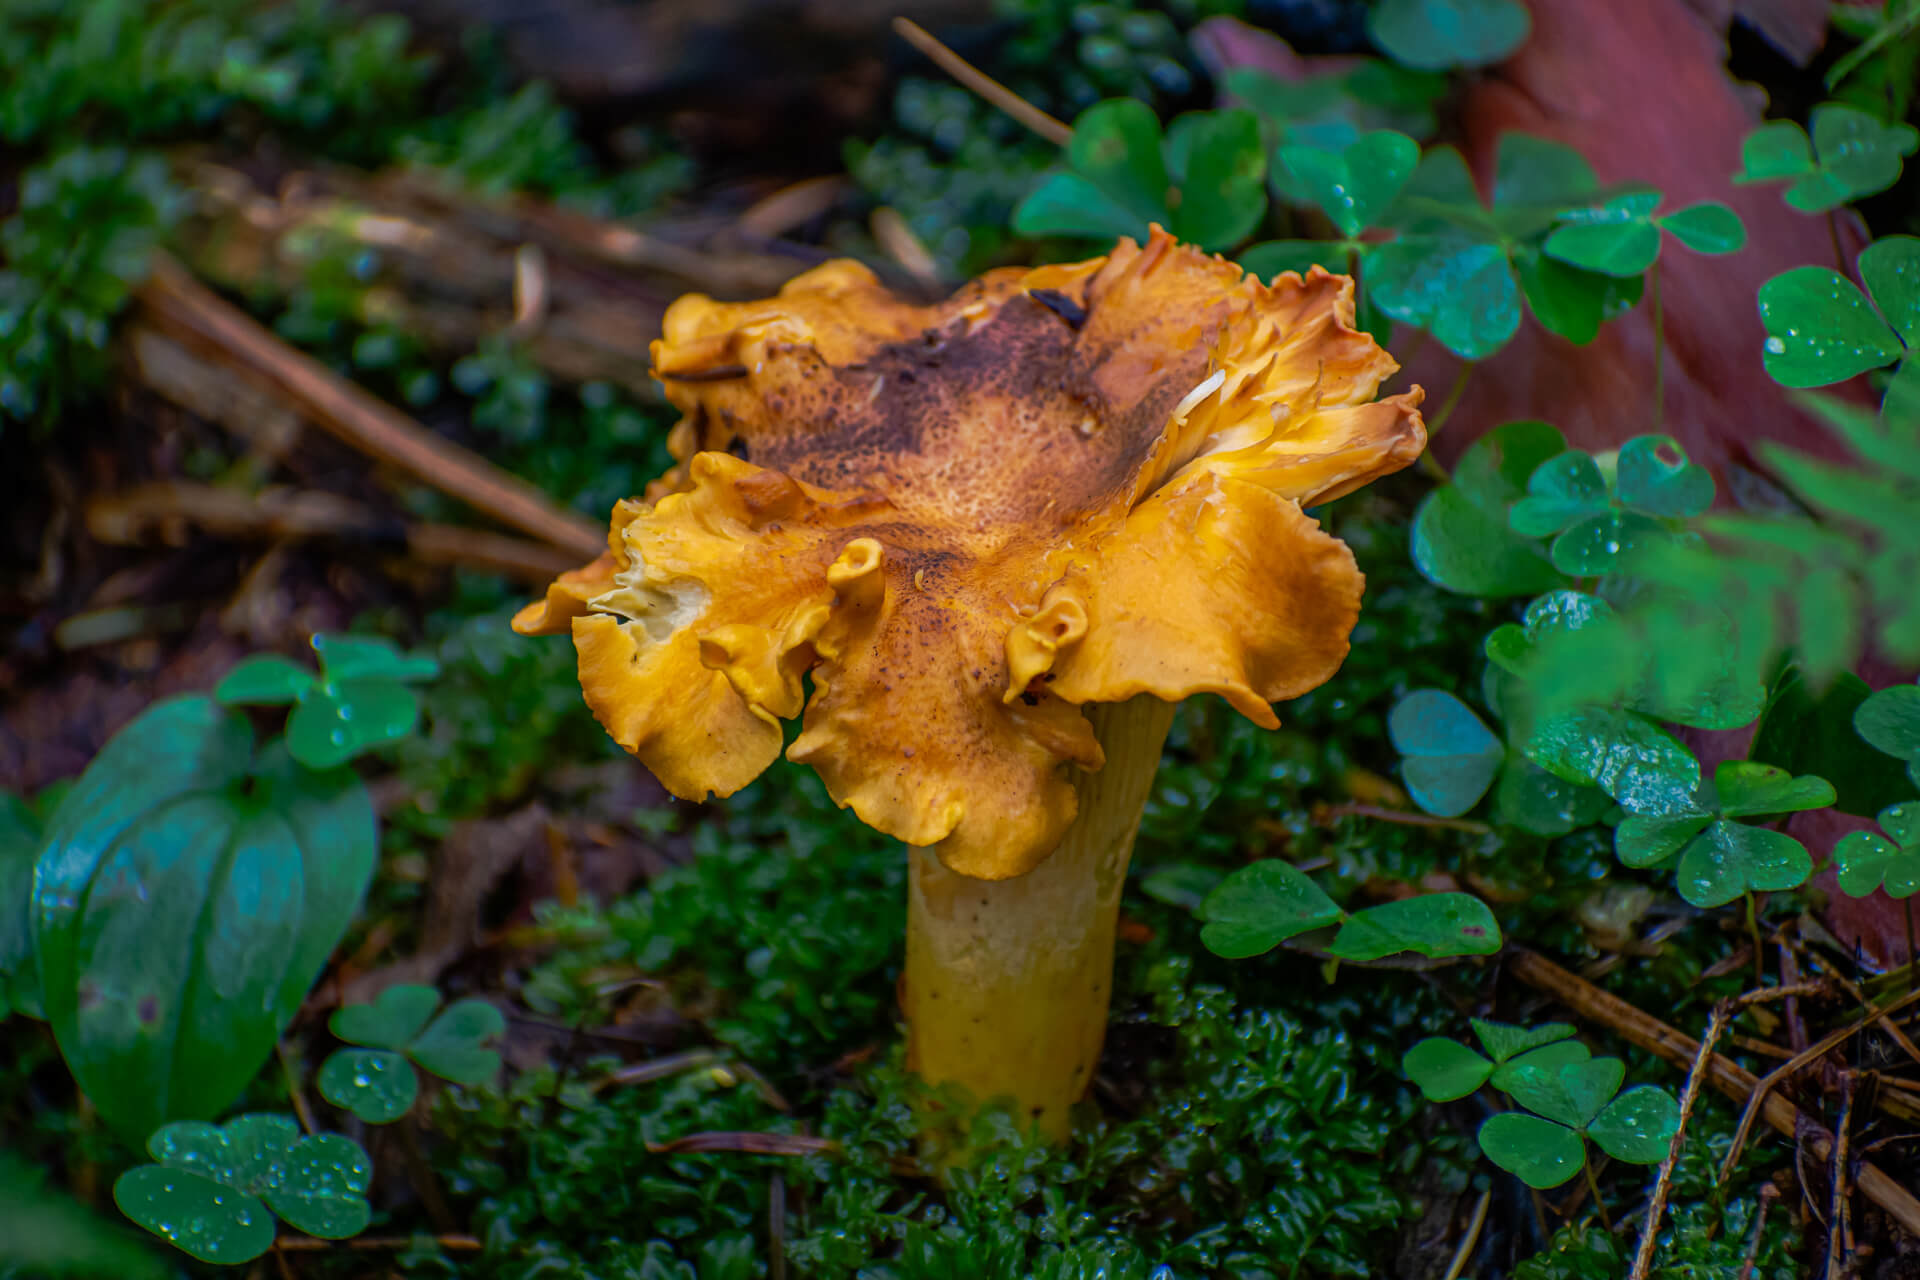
{"x": 1070, "y": 484}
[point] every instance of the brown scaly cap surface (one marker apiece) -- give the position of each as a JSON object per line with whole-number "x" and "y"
{"x": 1066, "y": 485}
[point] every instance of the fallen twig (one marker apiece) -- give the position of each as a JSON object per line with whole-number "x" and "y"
{"x": 1690, "y": 1094}
{"x": 759, "y": 1144}
{"x": 1657, "y": 1037}
{"x": 1055, "y": 131}
{"x": 1324, "y": 815}
{"x": 179, "y": 302}
{"x": 1467, "y": 1241}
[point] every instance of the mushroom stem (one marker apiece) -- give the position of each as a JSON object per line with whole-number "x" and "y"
{"x": 1007, "y": 981}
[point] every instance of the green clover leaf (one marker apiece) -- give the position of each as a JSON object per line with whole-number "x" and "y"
{"x": 1617, "y": 238}
{"x": 1801, "y": 732}
{"x": 1638, "y": 1126}
{"x": 1458, "y": 288}
{"x": 1857, "y": 155}
{"x": 1548, "y": 1058}
{"x": 1504, "y": 1041}
{"x": 1572, "y": 1093}
{"x": 1653, "y": 477}
{"x": 1437, "y": 35}
{"x": 1541, "y": 1153}
{"x": 210, "y": 1190}
{"x": 1433, "y": 924}
{"x": 1821, "y": 329}
{"x": 1204, "y": 181}
{"x": 1260, "y": 906}
{"x": 377, "y": 1085}
{"x": 1598, "y": 522}
{"x": 1709, "y": 227}
{"x": 451, "y": 1046}
{"x": 264, "y": 680}
{"x": 1639, "y": 764}
{"x": 1890, "y": 722}
{"x": 1450, "y": 756}
{"x": 358, "y": 702}
{"x": 1445, "y": 1070}
{"x": 1357, "y": 185}
{"x": 1867, "y": 860}
{"x": 1460, "y": 537}
{"x": 1720, "y": 859}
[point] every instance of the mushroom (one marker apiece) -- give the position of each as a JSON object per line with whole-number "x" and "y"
{"x": 1004, "y": 535}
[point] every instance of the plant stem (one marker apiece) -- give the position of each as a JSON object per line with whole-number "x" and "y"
{"x": 1429, "y": 463}
{"x": 1007, "y": 981}
{"x": 1659, "y": 351}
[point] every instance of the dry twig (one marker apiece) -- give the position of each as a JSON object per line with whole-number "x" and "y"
{"x": 1650, "y": 1234}
{"x": 1055, "y": 131}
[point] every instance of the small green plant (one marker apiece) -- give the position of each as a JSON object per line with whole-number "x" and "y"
{"x": 1260, "y": 906}
{"x": 1570, "y": 1097}
{"x": 1851, "y": 154}
{"x": 359, "y": 700}
{"x": 1869, "y": 860}
{"x": 214, "y": 1191}
{"x": 1879, "y": 73}
{"x": 375, "y": 1080}
{"x": 189, "y": 887}
{"x": 1890, "y": 721}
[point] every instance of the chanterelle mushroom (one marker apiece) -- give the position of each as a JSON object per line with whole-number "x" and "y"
{"x": 1069, "y": 490}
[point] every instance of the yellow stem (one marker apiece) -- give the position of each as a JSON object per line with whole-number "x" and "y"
{"x": 1007, "y": 981}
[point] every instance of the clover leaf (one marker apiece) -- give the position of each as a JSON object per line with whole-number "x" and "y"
{"x": 1596, "y": 522}
{"x": 1720, "y": 859}
{"x": 1821, "y": 329}
{"x": 1334, "y": 108}
{"x": 1801, "y": 731}
{"x": 211, "y": 1188}
{"x": 1622, "y": 236}
{"x": 1890, "y": 721}
{"x": 1450, "y": 756}
{"x": 374, "y": 1081}
{"x": 1867, "y": 860}
{"x": 1858, "y": 154}
{"x": 359, "y": 701}
{"x": 1446, "y": 1069}
{"x": 1357, "y": 185}
{"x": 1436, "y": 35}
{"x": 1632, "y": 759}
{"x": 1460, "y": 537}
{"x": 1204, "y": 180}
{"x": 1260, "y": 906}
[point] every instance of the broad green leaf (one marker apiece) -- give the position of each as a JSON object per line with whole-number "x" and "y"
{"x": 197, "y": 1215}
{"x": 1459, "y": 289}
{"x": 1890, "y": 268}
{"x": 1504, "y": 1041}
{"x": 1116, "y": 147}
{"x": 1433, "y": 925}
{"x": 1820, "y": 329}
{"x": 1890, "y": 721}
{"x": 172, "y": 958}
{"x": 264, "y": 680}
{"x": 322, "y": 1190}
{"x": 1222, "y": 182}
{"x": 1654, "y": 477}
{"x": 450, "y": 1047}
{"x": 395, "y": 1017}
{"x": 1733, "y": 858}
{"x": 1445, "y": 1070}
{"x": 1539, "y": 1152}
{"x": 1435, "y": 35}
{"x": 1451, "y": 757}
{"x": 345, "y": 657}
{"x": 1801, "y": 732}
{"x": 1776, "y": 150}
{"x": 1354, "y": 187}
{"x": 1572, "y": 1093}
{"x": 1536, "y": 179}
{"x": 1066, "y": 204}
{"x": 1709, "y": 227}
{"x": 1638, "y": 1126}
{"x": 1270, "y": 258}
{"x": 1262, "y": 905}
{"x": 377, "y": 1085}
{"x": 1598, "y": 545}
{"x": 1747, "y": 789}
{"x": 1563, "y": 490}
{"x": 1627, "y": 756}
{"x": 19, "y": 846}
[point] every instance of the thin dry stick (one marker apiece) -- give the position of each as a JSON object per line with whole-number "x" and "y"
{"x": 1472, "y": 1237}
{"x": 375, "y": 428}
{"x": 1768, "y": 1194}
{"x": 1054, "y": 131}
{"x": 1323, "y": 814}
{"x": 1737, "y": 1083}
{"x": 1650, "y": 1234}
{"x": 1762, "y": 1090}
{"x": 1839, "y": 1220}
